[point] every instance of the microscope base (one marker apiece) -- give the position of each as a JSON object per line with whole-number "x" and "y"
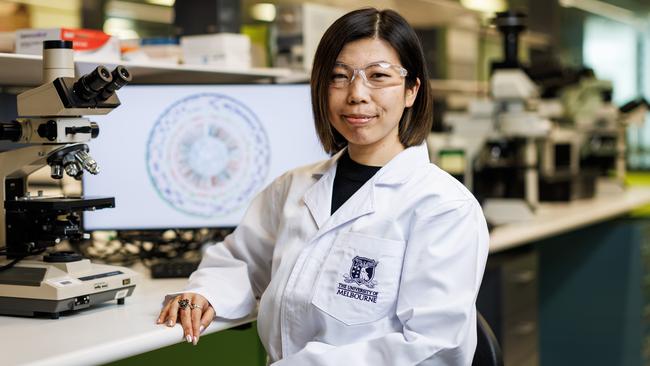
{"x": 37, "y": 288}
{"x": 53, "y": 308}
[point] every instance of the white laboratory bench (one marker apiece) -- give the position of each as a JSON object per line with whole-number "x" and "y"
{"x": 109, "y": 332}
{"x": 104, "y": 333}
{"x": 559, "y": 217}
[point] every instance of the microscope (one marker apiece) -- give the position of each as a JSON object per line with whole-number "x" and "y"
{"x": 506, "y": 169}
{"x": 498, "y": 137}
{"x": 51, "y": 130}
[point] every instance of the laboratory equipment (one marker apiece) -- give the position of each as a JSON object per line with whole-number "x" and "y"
{"x": 52, "y": 130}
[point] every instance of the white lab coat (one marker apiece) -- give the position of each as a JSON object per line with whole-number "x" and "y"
{"x": 391, "y": 278}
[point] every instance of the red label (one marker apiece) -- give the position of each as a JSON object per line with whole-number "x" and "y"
{"x": 84, "y": 39}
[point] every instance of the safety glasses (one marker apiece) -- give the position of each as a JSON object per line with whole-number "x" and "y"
{"x": 376, "y": 75}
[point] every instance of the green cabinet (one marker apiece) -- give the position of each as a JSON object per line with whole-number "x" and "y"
{"x": 234, "y": 347}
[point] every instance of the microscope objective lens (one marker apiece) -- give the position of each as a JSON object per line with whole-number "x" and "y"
{"x": 57, "y": 171}
{"x": 87, "y": 162}
{"x": 73, "y": 169}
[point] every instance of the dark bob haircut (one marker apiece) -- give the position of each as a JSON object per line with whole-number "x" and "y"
{"x": 389, "y": 26}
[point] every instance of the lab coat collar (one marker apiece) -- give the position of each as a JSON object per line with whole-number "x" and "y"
{"x": 328, "y": 165}
{"x": 402, "y": 167}
{"x": 396, "y": 171}
{"x": 318, "y": 198}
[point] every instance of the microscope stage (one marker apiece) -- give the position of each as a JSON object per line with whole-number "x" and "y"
{"x": 59, "y": 203}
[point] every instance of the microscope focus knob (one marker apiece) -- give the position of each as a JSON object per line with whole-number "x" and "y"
{"x": 10, "y": 131}
{"x": 62, "y": 257}
{"x": 48, "y": 130}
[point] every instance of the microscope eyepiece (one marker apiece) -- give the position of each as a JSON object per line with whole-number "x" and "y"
{"x": 89, "y": 85}
{"x": 121, "y": 76}
{"x": 124, "y": 73}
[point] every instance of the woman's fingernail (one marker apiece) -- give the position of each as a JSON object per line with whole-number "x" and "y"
{"x": 170, "y": 323}
{"x": 195, "y": 340}
{"x": 188, "y": 338}
{"x": 201, "y": 329}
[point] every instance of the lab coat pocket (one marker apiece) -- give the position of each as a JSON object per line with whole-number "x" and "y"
{"x": 360, "y": 278}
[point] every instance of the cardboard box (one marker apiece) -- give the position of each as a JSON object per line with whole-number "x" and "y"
{"x": 230, "y": 50}
{"x": 7, "y": 42}
{"x": 88, "y": 43}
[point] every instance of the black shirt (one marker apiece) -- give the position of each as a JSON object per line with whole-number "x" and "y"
{"x": 350, "y": 176}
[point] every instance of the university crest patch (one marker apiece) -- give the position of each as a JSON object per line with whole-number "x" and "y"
{"x": 362, "y": 272}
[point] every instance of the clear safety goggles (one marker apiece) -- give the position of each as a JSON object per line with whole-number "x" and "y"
{"x": 375, "y": 75}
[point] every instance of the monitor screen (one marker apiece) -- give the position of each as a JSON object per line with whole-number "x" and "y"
{"x": 194, "y": 156}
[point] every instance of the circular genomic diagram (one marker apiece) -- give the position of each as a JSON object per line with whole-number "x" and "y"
{"x": 207, "y": 155}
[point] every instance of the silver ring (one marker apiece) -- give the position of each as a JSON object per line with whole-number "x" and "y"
{"x": 194, "y": 306}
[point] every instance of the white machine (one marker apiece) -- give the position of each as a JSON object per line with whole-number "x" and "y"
{"x": 499, "y": 136}
{"x": 51, "y": 131}
{"x": 515, "y": 149}
{"x": 511, "y": 90}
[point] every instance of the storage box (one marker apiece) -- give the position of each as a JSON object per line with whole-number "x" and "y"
{"x": 7, "y": 42}
{"x": 299, "y": 30}
{"x": 165, "y": 50}
{"x": 230, "y": 50}
{"x": 88, "y": 43}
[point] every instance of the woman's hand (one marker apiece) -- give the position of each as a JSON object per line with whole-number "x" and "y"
{"x": 194, "y": 311}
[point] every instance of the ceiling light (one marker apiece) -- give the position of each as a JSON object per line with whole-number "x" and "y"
{"x": 264, "y": 12}
{"x": 486, "y": 6}
{"x": 162, "y": 2}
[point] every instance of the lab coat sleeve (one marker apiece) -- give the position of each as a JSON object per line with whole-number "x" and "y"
{"x": 234, "y": 272}
{"x": 441, "y": 275}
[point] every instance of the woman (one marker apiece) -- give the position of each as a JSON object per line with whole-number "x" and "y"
{"x": 372, "y": 257}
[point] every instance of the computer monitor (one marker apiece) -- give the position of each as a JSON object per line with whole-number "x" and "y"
{"x": 194, "y": 156}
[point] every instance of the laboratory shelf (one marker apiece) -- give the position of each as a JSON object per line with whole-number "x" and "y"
{"x": 26, "y": 70}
